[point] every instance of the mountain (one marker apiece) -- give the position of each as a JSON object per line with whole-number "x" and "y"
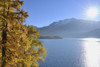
{"x": 91, "y": 34}
{"x": 69, "y": 27}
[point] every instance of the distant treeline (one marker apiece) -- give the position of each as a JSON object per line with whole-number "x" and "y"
{"x": 50, "y": 37}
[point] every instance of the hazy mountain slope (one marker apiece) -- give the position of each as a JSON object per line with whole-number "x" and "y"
{"x": 94, "y": 33}
{"x": 69, "y": 27}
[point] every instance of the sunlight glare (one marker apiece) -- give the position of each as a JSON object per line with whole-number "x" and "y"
{"x": 92, "y": 52}
{"x": 92, "y": 12}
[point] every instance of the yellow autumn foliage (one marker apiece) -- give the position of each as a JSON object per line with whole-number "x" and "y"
{"x": 19, "y": 44}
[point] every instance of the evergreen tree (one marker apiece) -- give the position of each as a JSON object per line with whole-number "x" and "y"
{"x": 19, "y": 44}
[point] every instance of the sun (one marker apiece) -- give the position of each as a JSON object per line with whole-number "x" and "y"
{"x": 92, "y": 12}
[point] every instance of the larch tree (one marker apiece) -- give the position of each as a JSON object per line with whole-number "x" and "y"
{"x": 19, "y": 44}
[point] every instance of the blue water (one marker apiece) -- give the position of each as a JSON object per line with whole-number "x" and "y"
{"x": 72, "y": 52}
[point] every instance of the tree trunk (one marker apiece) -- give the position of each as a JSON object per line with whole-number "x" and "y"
{"x": 3, "y": 56}
{"x": 4, "y": 39}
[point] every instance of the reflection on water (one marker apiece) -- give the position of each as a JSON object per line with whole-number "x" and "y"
{"x": 72, "y": 52}
{"x": 91, "y": 52}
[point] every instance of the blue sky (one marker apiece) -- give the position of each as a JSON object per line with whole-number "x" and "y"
{"x": 44, "y": 12}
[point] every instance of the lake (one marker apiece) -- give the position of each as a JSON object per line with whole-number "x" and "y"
{"x": 72, "y": 52}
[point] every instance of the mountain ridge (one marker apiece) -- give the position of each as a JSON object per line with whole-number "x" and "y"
{"x": 69, "y": 27}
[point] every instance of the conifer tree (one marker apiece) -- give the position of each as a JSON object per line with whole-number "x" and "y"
{"x": 19, "y": 44}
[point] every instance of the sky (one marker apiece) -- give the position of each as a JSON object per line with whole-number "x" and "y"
{"x": 44, "y": 12}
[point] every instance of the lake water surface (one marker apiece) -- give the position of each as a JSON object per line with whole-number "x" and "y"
{"x": 72, "y": 52}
